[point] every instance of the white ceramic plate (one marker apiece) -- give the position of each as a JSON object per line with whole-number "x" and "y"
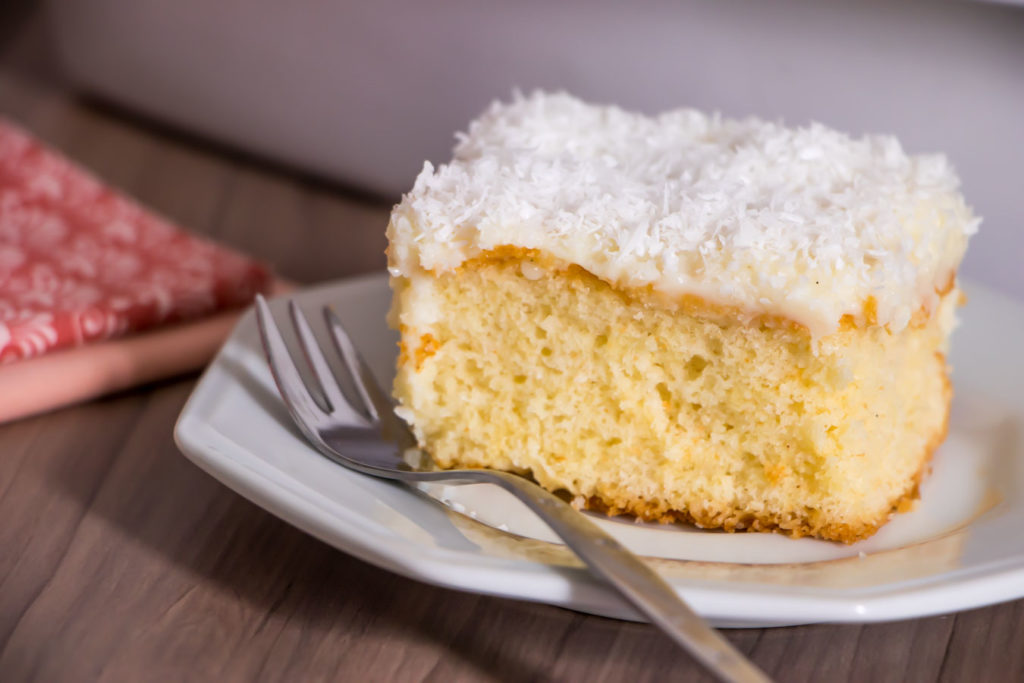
{"x": 961, "y": 547}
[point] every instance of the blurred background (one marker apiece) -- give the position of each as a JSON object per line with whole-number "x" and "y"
{"x": 362, "y": 93}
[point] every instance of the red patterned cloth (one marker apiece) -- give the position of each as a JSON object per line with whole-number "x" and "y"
{"x": 80, "y": 262}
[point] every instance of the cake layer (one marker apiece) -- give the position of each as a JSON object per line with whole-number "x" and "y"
{"x": 634, "y": 403}
{"x": 806, "y": 223}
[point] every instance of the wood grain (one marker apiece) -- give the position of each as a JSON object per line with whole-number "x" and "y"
{"x": 121, "y": 561}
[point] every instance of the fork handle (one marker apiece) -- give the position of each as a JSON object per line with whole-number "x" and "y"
{"x": 637, "y": 582}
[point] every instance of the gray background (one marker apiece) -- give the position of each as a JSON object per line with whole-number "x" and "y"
{"x": 363, "y": 92}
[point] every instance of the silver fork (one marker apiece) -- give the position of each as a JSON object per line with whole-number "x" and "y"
{"x": 352, "y": 436}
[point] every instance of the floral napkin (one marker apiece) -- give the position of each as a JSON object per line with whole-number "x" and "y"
{"x": 81, "y": 263}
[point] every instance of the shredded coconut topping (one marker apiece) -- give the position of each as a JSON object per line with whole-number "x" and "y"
{"x": 805, "y": 223}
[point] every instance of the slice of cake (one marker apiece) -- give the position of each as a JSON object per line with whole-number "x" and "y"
{"x": 684, "y": 317}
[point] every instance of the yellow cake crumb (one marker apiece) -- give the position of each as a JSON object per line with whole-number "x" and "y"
{"x": 637, "y": 405}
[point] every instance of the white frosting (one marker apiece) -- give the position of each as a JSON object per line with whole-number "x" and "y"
{"x": 805, "y": 223}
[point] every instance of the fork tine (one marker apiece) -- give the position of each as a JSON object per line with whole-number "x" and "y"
{"x": 340, "y": 407}
{"x": 289, "y": 382}
{"x": 315, "y": 358}
{"x": 374, "y": 400}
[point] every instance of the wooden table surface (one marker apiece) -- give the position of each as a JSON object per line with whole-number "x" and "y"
{"x": 121, "y": 561}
